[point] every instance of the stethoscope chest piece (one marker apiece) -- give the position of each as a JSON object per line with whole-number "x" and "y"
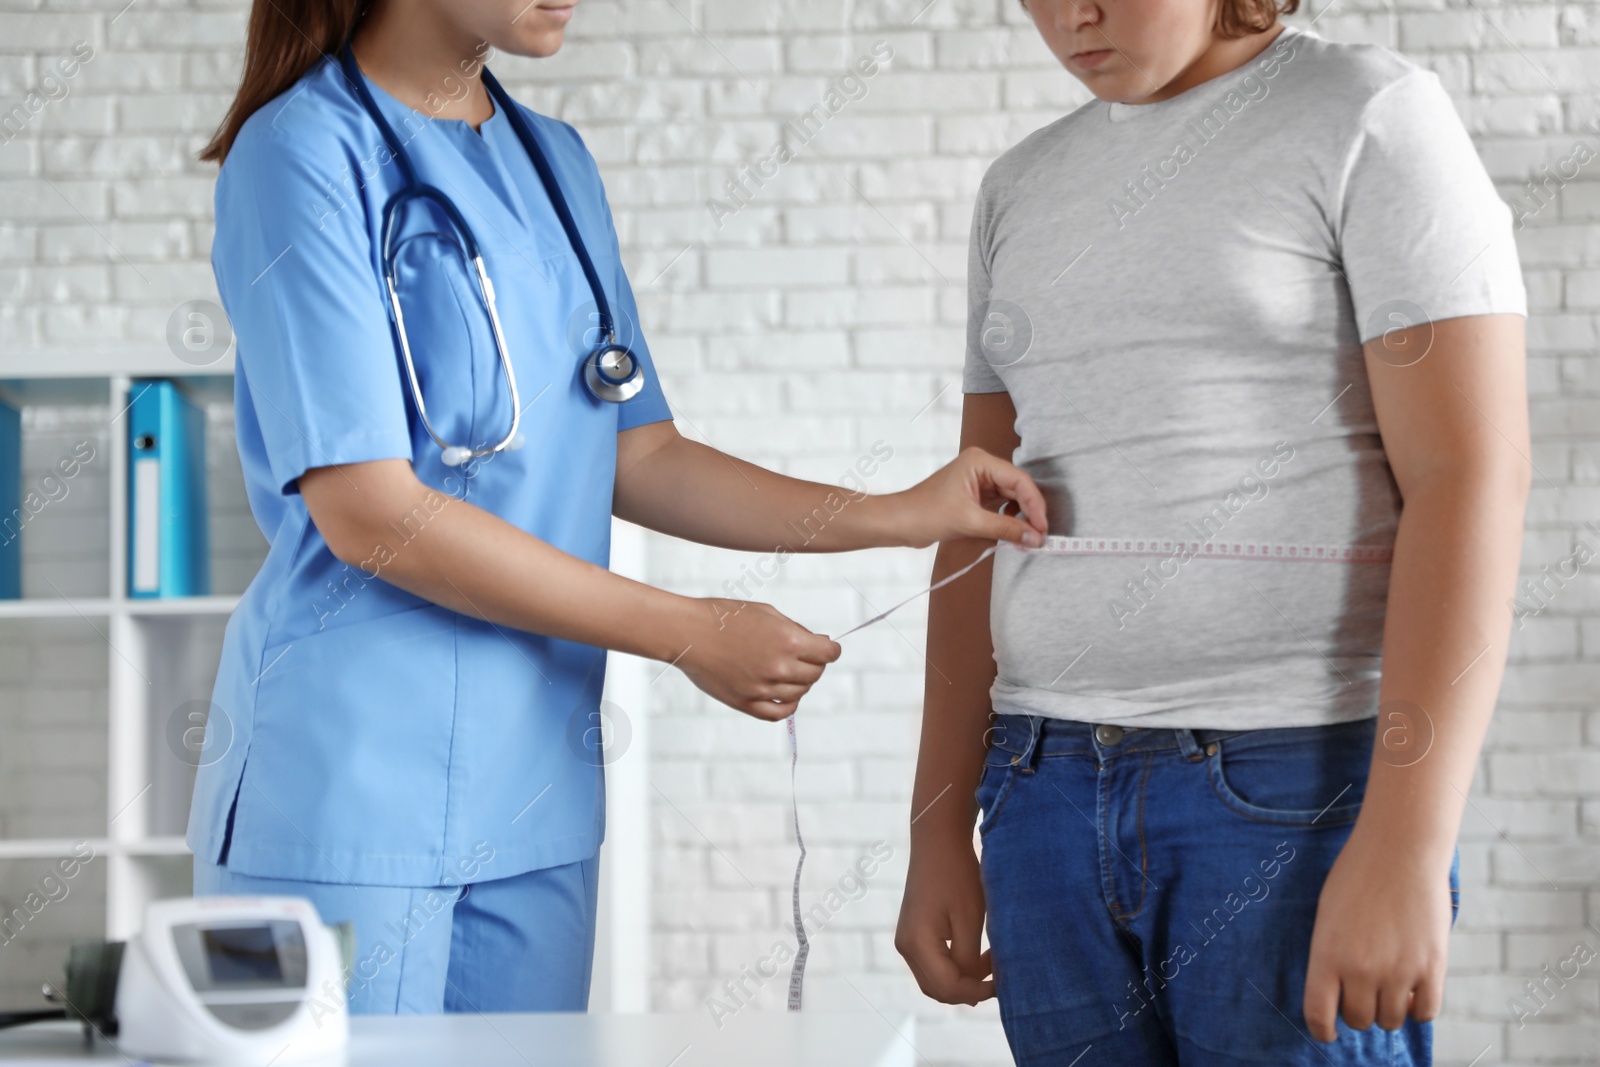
{"x": 613, "y": 373}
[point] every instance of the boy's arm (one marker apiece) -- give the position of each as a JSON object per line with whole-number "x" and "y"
{"x": 1455, "y": 428}
{"x": 941, "y": 916}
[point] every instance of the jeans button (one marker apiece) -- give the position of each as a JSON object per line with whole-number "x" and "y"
{"x": 1107, "y": 734}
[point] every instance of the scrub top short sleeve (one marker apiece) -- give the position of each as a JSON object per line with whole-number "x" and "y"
{"x": 650, "y": 405}
{"x": 301, "y": 282}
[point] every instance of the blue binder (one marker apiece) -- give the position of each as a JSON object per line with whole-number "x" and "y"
{"x": 11, "y": 514}
{"x": 168, "y": 550}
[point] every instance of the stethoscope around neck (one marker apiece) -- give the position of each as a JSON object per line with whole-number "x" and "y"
{"x": 611, "y": 372}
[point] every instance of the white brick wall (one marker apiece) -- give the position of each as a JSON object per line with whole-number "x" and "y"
{"x": 827, "y": 315}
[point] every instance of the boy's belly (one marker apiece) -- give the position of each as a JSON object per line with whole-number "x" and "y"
{"x": 1159, "y": 640}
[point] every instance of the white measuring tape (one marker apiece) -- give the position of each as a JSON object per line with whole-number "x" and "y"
{"x": 1157, "y": 546}
{"x": 1277, "y": 551}
{"x": 797, "y": 973}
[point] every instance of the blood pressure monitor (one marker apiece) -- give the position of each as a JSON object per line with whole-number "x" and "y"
{"x": 244, "y": 980}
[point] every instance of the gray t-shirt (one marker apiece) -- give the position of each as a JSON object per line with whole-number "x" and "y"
{"x": 1175, "y": 295}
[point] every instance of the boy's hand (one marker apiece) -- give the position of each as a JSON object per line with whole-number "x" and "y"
{"x": 1379, "y": 948}
{"x": 941, "y": 923}
{"x": 961, "y": 499}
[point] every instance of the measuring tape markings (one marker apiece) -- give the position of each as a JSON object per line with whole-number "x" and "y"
{"x": 1277, "y": 551}
{"x": 797, "y": 973}
{"x": 1273, "y": 551}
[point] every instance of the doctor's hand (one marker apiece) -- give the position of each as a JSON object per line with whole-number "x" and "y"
{"x": 753, "y": 658}
{"x": 961, "y": 500}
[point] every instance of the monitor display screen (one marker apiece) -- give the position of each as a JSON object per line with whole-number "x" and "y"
{"x": 237, "y": 955}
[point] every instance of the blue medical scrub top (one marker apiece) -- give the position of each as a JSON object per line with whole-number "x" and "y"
{"x": 360, "y": 733}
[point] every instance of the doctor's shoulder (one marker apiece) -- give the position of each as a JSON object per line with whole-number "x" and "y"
{"x": 563, "y": 141}
{"x": 310, "y": 143}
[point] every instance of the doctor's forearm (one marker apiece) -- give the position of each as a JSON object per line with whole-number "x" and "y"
{"x": 680, "y": 487}
{"x": 468, "y": 560}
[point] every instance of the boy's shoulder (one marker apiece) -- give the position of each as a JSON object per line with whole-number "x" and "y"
{"x": 1334, "y": 80}
{"x": 1333, "y": 74}
{"x": 1027, "y": 153}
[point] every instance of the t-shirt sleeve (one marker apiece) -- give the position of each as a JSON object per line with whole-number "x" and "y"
{"x": 295, "y": 270}
{"x": 1422, "y": 233}
{"x": 979, "y": 374}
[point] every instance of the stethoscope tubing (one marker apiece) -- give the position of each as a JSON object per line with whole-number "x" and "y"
{"x": 607, "y": 354}
{"x": 485, "y": 287}
{"x": 530, "y": 144}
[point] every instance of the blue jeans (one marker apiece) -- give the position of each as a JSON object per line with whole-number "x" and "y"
{"x": 1151, "y": 893}
{"x": 520, "y": 943}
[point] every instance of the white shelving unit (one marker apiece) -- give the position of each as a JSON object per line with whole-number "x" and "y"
{"x": 160, "y": 659}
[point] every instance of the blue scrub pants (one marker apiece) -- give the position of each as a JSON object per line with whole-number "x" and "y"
{"x": 523, "y": 943}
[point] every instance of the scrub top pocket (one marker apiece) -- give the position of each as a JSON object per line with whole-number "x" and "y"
{"x": 448, "y": 330}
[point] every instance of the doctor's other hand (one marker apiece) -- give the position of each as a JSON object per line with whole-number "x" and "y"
{"x": 962, "y": 498}
{"x": 753, "y": 658}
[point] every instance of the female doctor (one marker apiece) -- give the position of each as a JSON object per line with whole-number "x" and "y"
{"x": 442, "y": 398}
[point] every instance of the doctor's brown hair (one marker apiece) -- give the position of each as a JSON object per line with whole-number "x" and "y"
{"x": 286, "y": 38}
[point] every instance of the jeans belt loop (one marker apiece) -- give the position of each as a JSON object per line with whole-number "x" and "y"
{"x": 1188, "y": 745}
{"x": 1029, "y": 760}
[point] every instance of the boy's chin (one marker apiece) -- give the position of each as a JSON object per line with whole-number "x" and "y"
{"x": 1123, "y": 93}
{"x": 1114, "y": 88}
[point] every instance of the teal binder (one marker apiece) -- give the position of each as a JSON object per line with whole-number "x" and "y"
{"x": 168, "y": 549}
{"x": 11, "y": 514}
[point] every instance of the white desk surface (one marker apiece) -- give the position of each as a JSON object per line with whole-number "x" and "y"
{"x": 770, "y": 1039}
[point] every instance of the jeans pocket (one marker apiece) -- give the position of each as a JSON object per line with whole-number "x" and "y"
{"x": 993, "y": 788}
{"x": 1294, "y": 777}
{"x": 1008, "y": 743}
